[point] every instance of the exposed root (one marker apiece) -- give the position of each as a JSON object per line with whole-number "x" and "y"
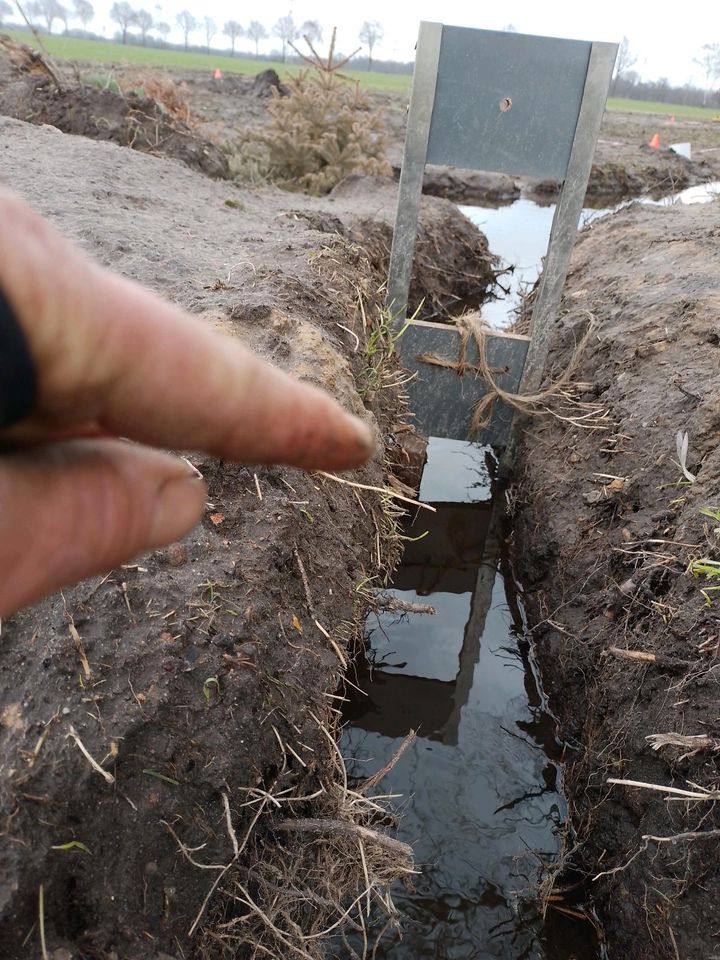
{"x": 299, "y": 882}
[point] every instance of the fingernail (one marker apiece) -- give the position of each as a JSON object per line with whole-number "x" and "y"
{"x": 364, "y": 435}
{"x": 178, "y": 507}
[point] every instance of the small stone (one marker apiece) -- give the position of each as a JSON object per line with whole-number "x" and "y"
{"x": 177, "y": 554}
{"x": 248, "y": 651}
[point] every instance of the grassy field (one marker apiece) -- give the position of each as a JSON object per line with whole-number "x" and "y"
{"x": 666, "y": 109}
{"x": 69, "y": 48}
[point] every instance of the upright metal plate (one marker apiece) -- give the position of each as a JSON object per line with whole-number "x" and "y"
{"x": 441, "y": 400}
{"x": 568, "y": 210}
{"x": 507, "y": 102}
{"x": 413, "y": 167}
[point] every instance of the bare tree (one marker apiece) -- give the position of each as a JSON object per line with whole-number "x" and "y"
{"x": 371, "y": 33}
{"x": 84, "y": 11}
{"x": 624, "y": 61}
{"x": 163, "y": 29}
{"x": 124, "y": 16}
{"x": 233, "y": 30}
{"x": 709, "y": 62}
{"x": 510, "y": 28}
{"x": 187, "y": 23}
{"x": 286, "y": 30}
{"x": 47, "y": 10}
{"x": 312, "y": 30}
{"x": 210, "y": 31}
{"x": 6, "y": 11}
{"x": 144, "y": 23}
{"x": 256, "y": 32}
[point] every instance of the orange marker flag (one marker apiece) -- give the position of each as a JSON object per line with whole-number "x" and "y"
{"x": 218, "y": 74}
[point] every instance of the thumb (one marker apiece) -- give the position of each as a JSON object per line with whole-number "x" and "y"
{"x": 68, "y": 510}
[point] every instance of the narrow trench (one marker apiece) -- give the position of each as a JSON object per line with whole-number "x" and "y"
{"x": 481, "y": 786}
{"x": 480, "y": 789}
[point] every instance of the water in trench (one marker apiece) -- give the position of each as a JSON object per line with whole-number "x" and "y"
{"x": 481, "y": 786}
{"x": 481, "y": 790}
{"x": 519, "y": 234}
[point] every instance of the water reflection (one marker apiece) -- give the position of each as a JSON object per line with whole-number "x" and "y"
{"x": 481, "y": 785}
{"x": 519, "y": 234}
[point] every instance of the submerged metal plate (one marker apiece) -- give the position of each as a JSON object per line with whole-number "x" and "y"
{"x": 441, "y": 400}
{"x": 507, "y": 102}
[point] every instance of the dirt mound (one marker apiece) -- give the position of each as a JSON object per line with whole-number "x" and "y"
{"x": 622, "y": 170}
{"x": 608, "y": 531}
{"x": 453, "y": 264}
{"x": 132, "y": 119}
{"x": 212, "y": 666}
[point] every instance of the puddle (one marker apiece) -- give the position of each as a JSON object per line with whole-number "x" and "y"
{"x": 481, "y": 785}
{"x": 519, "y": 234}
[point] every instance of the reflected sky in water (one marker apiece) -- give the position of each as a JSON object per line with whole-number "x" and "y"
{"x": 481, "y": 801}
{"x": 519, "y": 234}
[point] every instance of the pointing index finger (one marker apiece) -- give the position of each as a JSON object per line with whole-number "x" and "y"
{"x": 110, "y": 352}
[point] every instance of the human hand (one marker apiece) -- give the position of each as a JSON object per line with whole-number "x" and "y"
{"x": 113, "y": 360}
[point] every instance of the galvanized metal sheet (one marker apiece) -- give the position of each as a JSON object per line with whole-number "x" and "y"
{"x": 441, "y": 400}
{"x": 568, "y": 210}
{"x": 413, "y": 167}
{"x": 507, "y": 102}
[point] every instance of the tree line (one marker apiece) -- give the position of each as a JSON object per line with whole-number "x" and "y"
{"x": 45, "y": 13}
{"x": 139, "y": 22}
{"x": 627, "y": 82}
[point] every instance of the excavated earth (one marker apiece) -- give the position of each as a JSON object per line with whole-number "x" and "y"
{"x": 199, "y": 671}
{"x": 607, "y": 528}
{"x": 220, "y": 115}
{"x": 32, "y": 90}
{"x": 624, "y": 165}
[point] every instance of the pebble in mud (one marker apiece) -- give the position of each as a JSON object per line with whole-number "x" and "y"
{"x": 177, "y": 554}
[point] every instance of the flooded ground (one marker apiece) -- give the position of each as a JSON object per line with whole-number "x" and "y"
{"x": 519, "y": 233}
{"x": 481, "y": 788}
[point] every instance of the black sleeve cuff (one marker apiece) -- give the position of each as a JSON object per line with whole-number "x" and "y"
{"x": 18, "y": 383}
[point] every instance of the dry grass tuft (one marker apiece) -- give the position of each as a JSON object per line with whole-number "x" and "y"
{"x": 310, "y": 868}
{"x": 171, "y": 96}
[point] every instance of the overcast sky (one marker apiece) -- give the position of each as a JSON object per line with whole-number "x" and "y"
{"x": 664, "y": 42}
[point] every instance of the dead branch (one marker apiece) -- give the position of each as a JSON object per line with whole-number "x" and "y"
{"x": 643, "y": 656}
{"x": 383, "y": 771}
{"x": 700, "y": 794}
{"x": 353, "y": 830}
{"x": 43, "y": 59}
{"x": 386, "y": 601}
{"x": 648, "y": 838}
{"x": 693, "y": 744}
